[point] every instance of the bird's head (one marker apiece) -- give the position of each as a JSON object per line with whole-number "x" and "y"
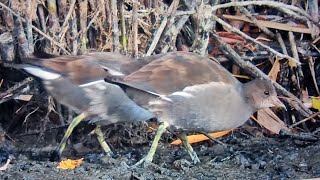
{"x": 262, "y": 94}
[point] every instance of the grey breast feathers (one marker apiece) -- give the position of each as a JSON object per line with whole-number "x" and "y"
{"x": 112, "y": 105}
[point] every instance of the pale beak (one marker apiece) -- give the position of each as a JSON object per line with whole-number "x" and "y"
{"x": 277, "y": 103}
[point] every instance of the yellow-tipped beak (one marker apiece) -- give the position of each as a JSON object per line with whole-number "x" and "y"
{"x": 277, "y": 103}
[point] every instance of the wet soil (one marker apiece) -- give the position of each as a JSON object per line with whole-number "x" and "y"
{"x": 246, "y": 156}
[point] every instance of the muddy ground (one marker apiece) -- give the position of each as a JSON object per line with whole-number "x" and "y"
{"x": 247, "y": 156}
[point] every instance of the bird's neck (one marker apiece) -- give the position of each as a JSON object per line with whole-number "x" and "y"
{"x": 247, "y": 90}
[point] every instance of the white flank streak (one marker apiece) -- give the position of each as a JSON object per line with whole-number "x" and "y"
{"x": 165, "y": 98}
{"x": 92, "y": 83}
{"x": 183, "y": 94}
{"x": 46, "y": 75}
{"x": 200, "y": 87}
{"x": 101, "y": 87}
{"x": 113, "y": 72}
{"x": 161, "y": 96}
{"x": 155, "y": 103}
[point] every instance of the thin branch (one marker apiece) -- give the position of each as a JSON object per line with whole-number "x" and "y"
{"x": 159, "y": 32}
{"x": 255, "y": 22}
{"x": 135, "y": 29}
{"x": 65, "y": 27}
{"x": 37, "y": 30}
{"x": 266, "y": 3}
{"x": 305, "y": 120}
{"x": 8, "y": 95}
{"x": 237, "y": 31}
{"x": 115, "y": 27}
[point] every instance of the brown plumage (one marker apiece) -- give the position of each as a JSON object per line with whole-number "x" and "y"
{"x": 188, "y": 92}
{"x": 86, "y": 68}
{"x": 185, "y": 91}
{"x": 77, "y": 82}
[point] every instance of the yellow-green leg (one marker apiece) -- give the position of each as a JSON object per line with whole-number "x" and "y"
{"x": 189, "y": 148}
{"x": 155, "y": 142}
{"x": 56, "y": 154}
{"x": 102, "y": 141}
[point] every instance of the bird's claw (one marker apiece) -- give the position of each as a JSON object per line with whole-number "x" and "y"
{"x": 109, "y": 154}
{"x": 195, "y": 158}
{"x": 144, "y": 162}
{"x": 109, "y": 160}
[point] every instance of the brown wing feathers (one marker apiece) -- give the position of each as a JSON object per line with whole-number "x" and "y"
{"x": 78, "y": 70}
{"x": 162, "y": 74}
{"x": 174, "y": 72}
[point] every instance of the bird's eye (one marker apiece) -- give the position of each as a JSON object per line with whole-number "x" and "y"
{"x": 266, "y": 93}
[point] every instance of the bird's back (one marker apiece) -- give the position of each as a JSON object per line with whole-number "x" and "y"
{"x": 194, "y": 92}
{"x": 77, "y": 82}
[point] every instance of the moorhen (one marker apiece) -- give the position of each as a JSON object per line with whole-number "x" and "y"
{"x": 77, "y": 82}
{"x": 188, "y": 92}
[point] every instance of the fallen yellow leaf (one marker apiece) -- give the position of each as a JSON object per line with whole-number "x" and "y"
{"x": 315, "y": 102}
{"x": 200, "y": 137}
{"x": 69, "y": 164}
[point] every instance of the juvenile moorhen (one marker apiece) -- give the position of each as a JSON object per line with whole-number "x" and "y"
{"x": 77, "y": 82}
{"x": 188, "y": 92}
{"x": 185, "y": 91}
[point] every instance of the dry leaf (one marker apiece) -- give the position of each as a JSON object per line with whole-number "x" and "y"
{"x": 69, "y": 164}
{"x": 273, "y": 74}
{"x": 274, "y": 25}
{"x": 236, "y": 23}
{"x": 152, "y": 126}
{"x": 241, "y": 76}
{"x": 231, "y": 38}
{"x": 24, "y": 97}
{"x": 200, "y": 137}
{"x": 306, "y": 99}
{"x": 316, "y": 102}
{"x": 263, "y": 37}
{"x": 270, "y": 121}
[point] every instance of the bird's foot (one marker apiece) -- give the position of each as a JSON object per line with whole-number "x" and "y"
{"x": 109, "y": 154}
{"x": 147, "y": 160}
{"x": 56, "y": 154}
{"x": 144, "y": 162}
{"x": 109, "y": 159}
{"x": 195, "y": 158}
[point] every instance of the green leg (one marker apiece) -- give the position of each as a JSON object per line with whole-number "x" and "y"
{"x": 152, "y": 151}
{"x": 102, "y": 141}
{"x": 58, "y": 151}
{"x": 189, "y": 148}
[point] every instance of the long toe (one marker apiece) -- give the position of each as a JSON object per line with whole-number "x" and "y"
{"x": 109, "y": 154}
{"x": 144, "y": 162}
{"x": 109, "y": 160}
{"x": 195, "y": 159}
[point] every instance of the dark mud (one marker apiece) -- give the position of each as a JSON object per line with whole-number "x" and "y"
{"x": 246, "y": 157}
